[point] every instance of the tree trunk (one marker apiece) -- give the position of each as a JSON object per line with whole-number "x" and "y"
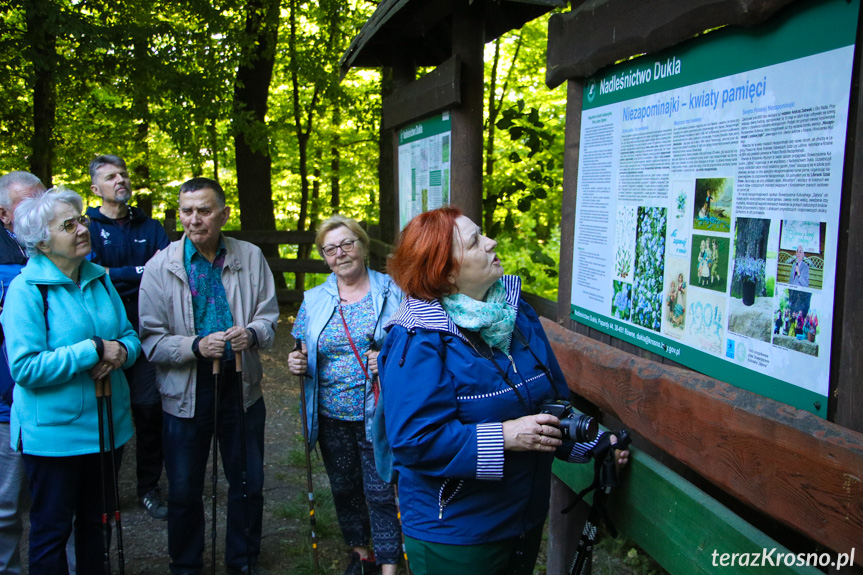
{"x": 752, "y": 235}
{"x": 335, "y": 160}
{"x": 251, "y": 138}
{"x": 42, "y": 52}
{"x": 214, "y": 146}
{"x": 141, "y": 105}
{"x": 492, "y": 198}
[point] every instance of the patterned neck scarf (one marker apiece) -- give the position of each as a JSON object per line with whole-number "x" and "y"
{"x": 493, "y": 317}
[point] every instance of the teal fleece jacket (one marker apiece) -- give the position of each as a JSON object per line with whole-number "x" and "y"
{"x": 54, "y": 413}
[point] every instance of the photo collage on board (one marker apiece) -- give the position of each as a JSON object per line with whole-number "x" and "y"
{"x": 695, "y": 272}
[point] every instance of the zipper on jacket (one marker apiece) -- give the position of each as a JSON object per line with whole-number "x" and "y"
{"x": 512, "y": 361}
{"x": 444, "y": 497}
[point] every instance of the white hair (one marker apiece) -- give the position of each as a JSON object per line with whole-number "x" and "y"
{"x": 24, "y": 179}
{"x": 33, "y": 215}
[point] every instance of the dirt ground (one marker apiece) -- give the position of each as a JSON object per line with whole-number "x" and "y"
{"x": 286, "y": 546}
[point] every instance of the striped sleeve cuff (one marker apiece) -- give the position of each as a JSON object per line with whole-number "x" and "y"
{"x": 489, "y": 438}
{"x": 581, "y": 452}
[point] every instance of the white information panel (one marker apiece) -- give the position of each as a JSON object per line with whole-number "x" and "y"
{"x": 709, "y": 191}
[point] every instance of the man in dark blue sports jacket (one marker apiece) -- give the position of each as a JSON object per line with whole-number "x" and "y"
{"x": 124, "y": 239}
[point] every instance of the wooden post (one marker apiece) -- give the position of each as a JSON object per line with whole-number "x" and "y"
{"x": 572, "y": 140}
{"x": 403, "y": 73}
{"x": 847, "y": 380}
{"x": 468, "y": 44}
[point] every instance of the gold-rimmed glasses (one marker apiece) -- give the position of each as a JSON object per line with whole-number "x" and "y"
{"x": 70, "y": 226}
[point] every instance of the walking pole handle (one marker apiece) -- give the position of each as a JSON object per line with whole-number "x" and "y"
{"x": 103, "y": 387}
{"x": 217, "y": 366}
{"x": 239, "y": 359}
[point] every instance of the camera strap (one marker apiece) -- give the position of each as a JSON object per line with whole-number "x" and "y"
{"x": 375, "y": 388}
{"x": 523, "y": 341}
{"x": 484, "y": 350}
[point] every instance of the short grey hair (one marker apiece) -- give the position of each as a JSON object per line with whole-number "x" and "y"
{"x": 33, "y": 215}
{"x": 338, "y": 221}
{"x": 25, "y": 179}
{"x": 105, "y": 160}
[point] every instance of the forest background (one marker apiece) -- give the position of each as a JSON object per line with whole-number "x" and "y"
{"x": 249, "y": 93}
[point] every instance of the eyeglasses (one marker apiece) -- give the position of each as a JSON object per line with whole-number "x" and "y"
{"x": 70, "y": 226}
{"x": 347, "y": 247}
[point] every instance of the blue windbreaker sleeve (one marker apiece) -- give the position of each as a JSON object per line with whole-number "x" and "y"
{"x": 420, "y": 408}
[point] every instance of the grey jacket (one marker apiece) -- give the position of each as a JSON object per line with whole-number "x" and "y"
{"x": 167, "y": 325}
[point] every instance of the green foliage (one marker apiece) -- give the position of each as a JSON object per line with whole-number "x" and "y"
{"x": 524, "y": 159}
{"x": 154, "y": 82}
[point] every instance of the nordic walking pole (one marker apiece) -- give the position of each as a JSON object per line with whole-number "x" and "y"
{"x": 217, "y": 371}
{"x": 239, "y": 363}
{"x": 100, "y": 397}
{"x": 299, "y": 347}
{"x": 106, "y": 390}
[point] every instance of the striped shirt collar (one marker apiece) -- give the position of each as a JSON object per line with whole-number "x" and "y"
{"x": 430, "y": 315}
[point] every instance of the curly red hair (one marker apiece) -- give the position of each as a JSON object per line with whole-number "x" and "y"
{"x": 423, "y": 261}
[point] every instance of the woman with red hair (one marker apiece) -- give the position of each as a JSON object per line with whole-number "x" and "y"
{"x": 465, "y": 370}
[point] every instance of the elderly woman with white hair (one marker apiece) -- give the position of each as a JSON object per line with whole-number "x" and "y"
{"x": 65, "y": 327}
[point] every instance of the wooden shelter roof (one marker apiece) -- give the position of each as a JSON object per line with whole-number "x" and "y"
{"x": 421, "y": 30}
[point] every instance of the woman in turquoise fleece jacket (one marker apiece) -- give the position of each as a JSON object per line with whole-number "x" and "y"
{"x": 55, "y": 354}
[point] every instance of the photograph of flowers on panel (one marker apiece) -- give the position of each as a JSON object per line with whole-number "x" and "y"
{"x": 649, "y": 268}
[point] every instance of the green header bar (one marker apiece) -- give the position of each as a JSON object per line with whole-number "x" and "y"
{"x": 797, "y": 31}
{"x": 438, "y": 124}
{"x": 719, "y": 368}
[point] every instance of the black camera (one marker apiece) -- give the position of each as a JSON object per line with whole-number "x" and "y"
{"x": 578, "y": 428}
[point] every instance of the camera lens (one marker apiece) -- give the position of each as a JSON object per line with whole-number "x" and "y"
{"x": 579, "y": 428}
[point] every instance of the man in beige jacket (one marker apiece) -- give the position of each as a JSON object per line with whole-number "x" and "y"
{"x": 209, "y": 297}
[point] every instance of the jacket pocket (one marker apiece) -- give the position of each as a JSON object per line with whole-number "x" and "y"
{"x": 59, "y": 404}
{"x": 447, "y": 492}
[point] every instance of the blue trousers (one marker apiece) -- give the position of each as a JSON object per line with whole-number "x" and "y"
{"x": 187, "y": 444}
{"x": 13, "y": 488}
{"x": 147, "y": 415}
{"x": 62, "y": 488}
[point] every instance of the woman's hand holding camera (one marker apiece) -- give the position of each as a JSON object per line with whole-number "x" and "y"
{"x": 539, "y": 432}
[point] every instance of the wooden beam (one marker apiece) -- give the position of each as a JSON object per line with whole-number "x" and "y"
{"x": 278, "y": 237}
{"x": 599, "y": 33}
{"x": 676, "y": 523}
{"x": 281, "y": 265}
{"x": 435, "y": 92}
{"x": 805, "y": 472}
{"x": 289, "y": 296}
{"x": 272, "y": 237}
